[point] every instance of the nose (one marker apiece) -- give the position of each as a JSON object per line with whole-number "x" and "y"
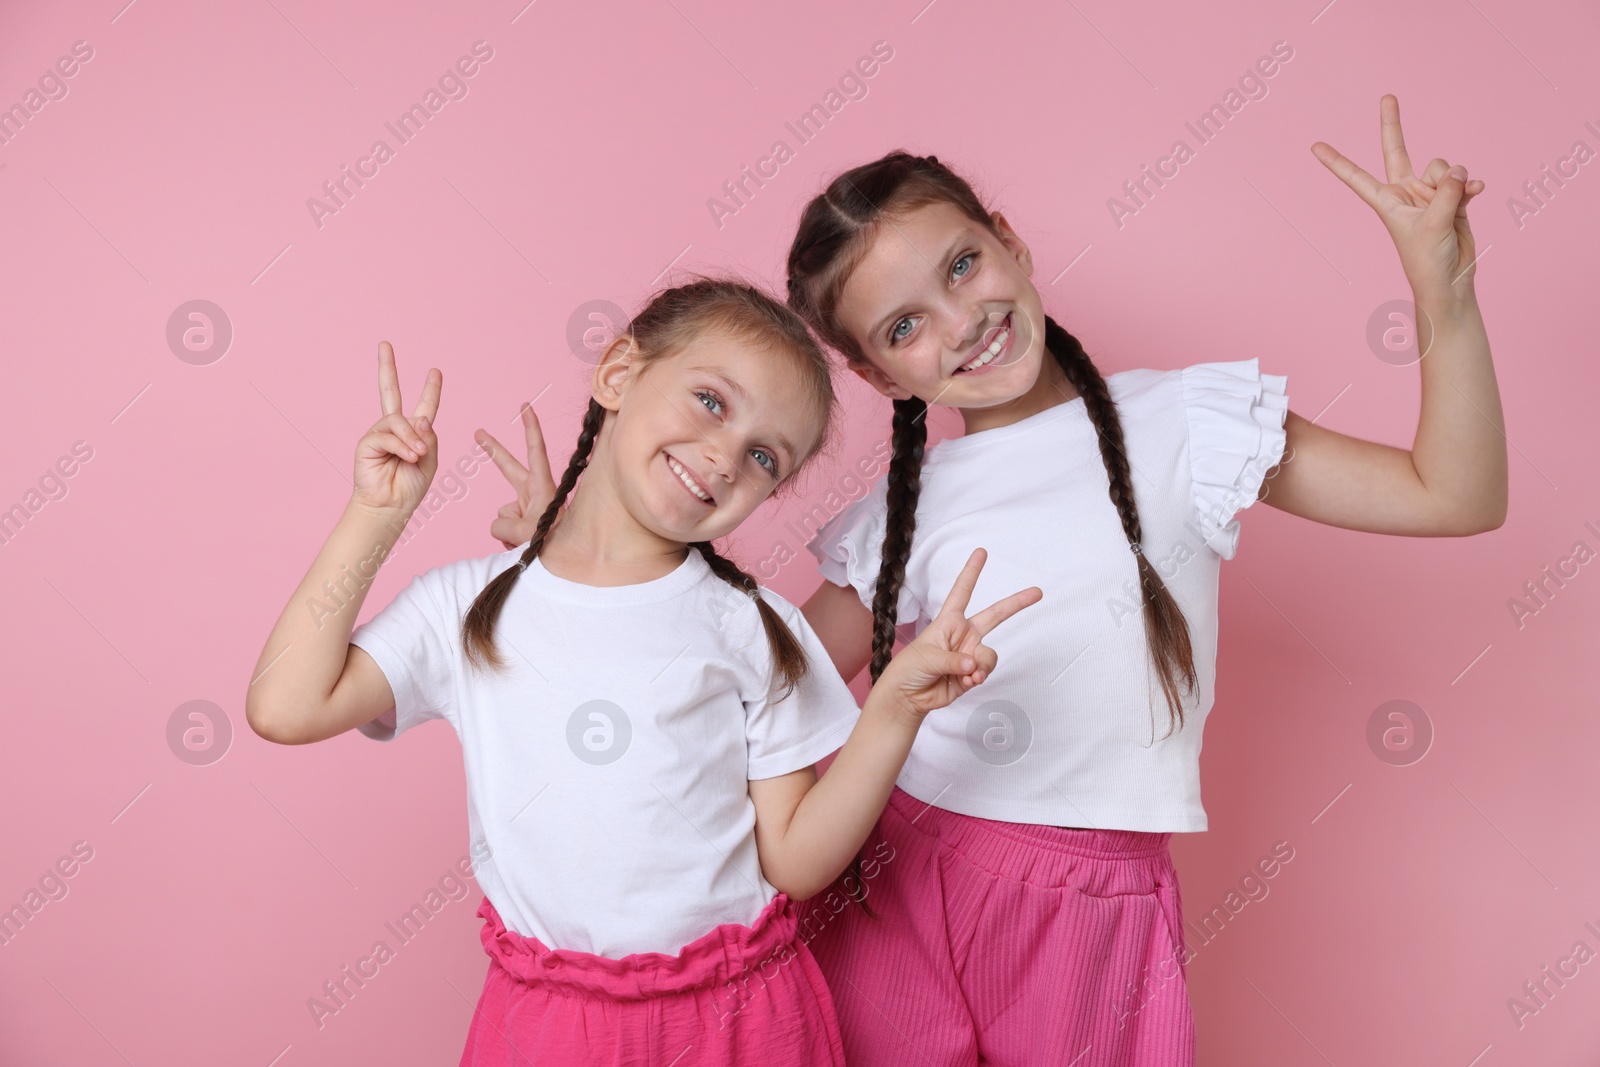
{"x": 963, "y": 327}
{"x": 721, "y": 454}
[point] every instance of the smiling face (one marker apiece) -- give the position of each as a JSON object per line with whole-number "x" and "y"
{"x": 701, "y": 437}
{"x": 943, "y": 309}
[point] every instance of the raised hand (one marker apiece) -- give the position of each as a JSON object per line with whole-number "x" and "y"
{"x": 395, "y": 460}
{"x": 534, "y": 484}
{"x": 949, "y": 657}
{"x": 1426, "y": 216}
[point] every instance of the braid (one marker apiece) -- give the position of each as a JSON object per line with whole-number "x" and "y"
{"x": 905, "y": 485}
{"x": 477, "y": 629}
{"x": 1166, "y": 631}
{"x": 788, "y": 657}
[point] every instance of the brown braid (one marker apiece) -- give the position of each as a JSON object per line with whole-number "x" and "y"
{"x": 1166, "y": 630}
{"x": 669, "y": 321}
{"x": 836, "y": 230}
{"x": 905, "y": 485}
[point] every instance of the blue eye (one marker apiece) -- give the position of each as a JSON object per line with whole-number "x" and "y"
{"x": 896, "y": 333}
{"x": 963, "y": 259}
{"x": 714, "y": 404}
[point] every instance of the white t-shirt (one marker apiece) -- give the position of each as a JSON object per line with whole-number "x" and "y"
{"x": 1069, "y": 730}
{"x": 607, "y": 766}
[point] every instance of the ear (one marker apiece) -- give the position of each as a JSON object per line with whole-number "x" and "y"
{"x": 880, "y": 381}
{"x": 1018, "y": 247}
{"x": 616, "y": 369}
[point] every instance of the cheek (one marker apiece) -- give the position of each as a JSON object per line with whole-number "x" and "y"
{"x": 649, "y": 428}
{"x": 918, "y": 363}
{"x": 750, "y": 497}
{"x": 631, "y": 447}
{"x": 899, "y": 362}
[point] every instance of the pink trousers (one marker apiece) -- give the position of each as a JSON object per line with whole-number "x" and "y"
{"x": 1006, "y": 943}
{"x": 738, "y": 995}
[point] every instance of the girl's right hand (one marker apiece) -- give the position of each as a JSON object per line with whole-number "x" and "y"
{"x": 949, "y": 657}
{"x": 396, "y": 459}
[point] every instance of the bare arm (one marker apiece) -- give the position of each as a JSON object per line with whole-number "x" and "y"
{"x": 808, "y": 829}
{"x": 310, "y": 683}
{"x": 844, "y": 624}
{"x": 1453, "y": 481}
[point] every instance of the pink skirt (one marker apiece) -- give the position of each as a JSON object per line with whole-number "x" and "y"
{"x": 737, "y": 995}
{"x": 1006, "y": 943}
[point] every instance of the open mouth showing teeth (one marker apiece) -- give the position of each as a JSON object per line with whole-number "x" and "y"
{"x": 688, "y": 480}
{"x": 998, "y": 344}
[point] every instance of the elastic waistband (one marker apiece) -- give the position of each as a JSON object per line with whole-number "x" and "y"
{"x": 1035, "y": 853}
{"x": 715, "y": 958}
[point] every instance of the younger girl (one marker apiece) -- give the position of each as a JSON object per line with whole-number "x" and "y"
{"x": 1032, "y": 913}
{"x": 637, "y": 717}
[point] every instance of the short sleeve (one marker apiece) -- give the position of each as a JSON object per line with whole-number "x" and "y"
{"x": 1235, "y": 418}
{"x": 813, "y": 720}
{"x": 849, "y": 550}
{"x": 415, "y": 643}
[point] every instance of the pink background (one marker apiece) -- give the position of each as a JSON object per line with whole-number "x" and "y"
{"x": 220, "y": 897}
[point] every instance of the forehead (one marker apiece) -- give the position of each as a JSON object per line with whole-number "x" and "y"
{"x": 906, "y": 255}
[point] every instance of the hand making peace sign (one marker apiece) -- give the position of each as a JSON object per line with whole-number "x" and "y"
{"x": 534, "y": 484}
{"x": 1426, "y": 216}
{"x": 395, "y": 460}
{"x": 949, "y": 656}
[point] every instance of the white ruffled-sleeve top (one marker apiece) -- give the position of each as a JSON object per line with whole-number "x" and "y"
{"x": 1072, "y": 728}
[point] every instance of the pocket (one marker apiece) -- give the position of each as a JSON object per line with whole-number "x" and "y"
{"x": 964, "y": 890}
{"x": 1172, "y": 909}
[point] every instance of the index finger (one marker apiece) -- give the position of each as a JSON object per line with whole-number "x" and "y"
{"x": 961, "y": 591}
{"x": 515, "y": 472}
{"x": 1364, "y": 184}
{"x": 388, "y": 380}
{"x": 1001, "y": 610}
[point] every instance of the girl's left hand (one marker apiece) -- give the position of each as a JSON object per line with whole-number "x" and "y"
{"x": 1426, "y": 216}
{"x": 949, "y": 657}
{"x": 535, "y": 485}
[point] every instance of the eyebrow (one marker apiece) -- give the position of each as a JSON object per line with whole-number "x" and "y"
{"x": 960, "y": 238}
{"x": 736, "y": 389}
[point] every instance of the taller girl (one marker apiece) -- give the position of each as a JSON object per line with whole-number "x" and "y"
{"x": 1031, "y": 913}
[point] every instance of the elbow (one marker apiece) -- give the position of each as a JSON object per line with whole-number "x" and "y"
{"x": 267, "y": 726}
{"x": 260, "y": 723}
{"x": 1493, "y": 509}
{"x": 1482, "y": 519}
{"x": 1465, "y": 516}
{"x": 794, "y": 886}
{"x": 1497, "y": 514}
{"x": 798, "y": 890}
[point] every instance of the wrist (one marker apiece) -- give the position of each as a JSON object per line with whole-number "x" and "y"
{"x": 391, "y": 519}
{"x": 1448, "y": 304}
{"x": 889, "y": 707}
